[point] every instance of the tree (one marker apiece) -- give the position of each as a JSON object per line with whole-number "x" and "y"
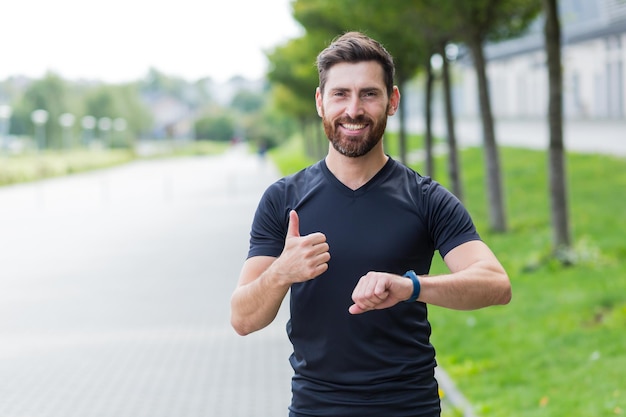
{"x": 428, "y": 133}
{"x": 119, "y": 101}
{"x": 247, "y": 101}
{"x": 556, "y": 166}
{"x": 219, "y": 127}
{"x": 294, "y": 78}
{"x": 481, "y": 21}
{"x": 454, "y": 171}
{"x": 53, "y": 94}
{"x": 436, "y": 26}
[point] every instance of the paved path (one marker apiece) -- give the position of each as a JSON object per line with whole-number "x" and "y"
{"x": 605, "y": 137}
{"x": 114, "y": 294}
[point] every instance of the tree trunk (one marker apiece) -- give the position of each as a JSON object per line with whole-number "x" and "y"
{"x": 497, "y": 219}
{"x": 321, "y": 142}
{"x": 428, "y": 115}
{"x": 402, "y": 121}
{"x": 306, "y": 137}
{"x": 558, "y": 190}
{"x": 453, "y": 154}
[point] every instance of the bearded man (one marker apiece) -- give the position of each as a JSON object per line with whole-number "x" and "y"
{"x": 352, "y": 239}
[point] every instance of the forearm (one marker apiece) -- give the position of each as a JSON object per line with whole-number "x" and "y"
{"x": 254, "y": 305}
{"x": 481, "y": 285}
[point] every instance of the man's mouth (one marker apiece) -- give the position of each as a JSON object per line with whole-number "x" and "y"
{"x": 353, "y": 126}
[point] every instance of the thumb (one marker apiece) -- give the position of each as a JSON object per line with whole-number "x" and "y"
{"x": 294, "y": 224}
{"x": 355, "y": 309}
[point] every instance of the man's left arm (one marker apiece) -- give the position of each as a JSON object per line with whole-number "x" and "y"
{"x": 476, "y": 280}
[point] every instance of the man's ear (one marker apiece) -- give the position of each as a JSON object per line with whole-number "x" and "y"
{"x": 318, "y": 102}
{"x": 394, "y": 101}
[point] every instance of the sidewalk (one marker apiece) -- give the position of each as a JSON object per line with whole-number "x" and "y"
{"x": 605, "y": 137}
{"x": 115, "y": 288}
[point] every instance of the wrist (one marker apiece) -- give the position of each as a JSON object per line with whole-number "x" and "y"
{"x": 275, "y": 278}
{"x": 416, "y": 286}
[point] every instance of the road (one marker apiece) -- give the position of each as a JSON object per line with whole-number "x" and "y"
{"x": 114, "y": 294}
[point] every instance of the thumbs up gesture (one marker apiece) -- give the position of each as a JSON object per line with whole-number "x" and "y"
{"x": 303, "y": 257}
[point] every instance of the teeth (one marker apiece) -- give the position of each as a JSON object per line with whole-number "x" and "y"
{"x": 353, "y": 126}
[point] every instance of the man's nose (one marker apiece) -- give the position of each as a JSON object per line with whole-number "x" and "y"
{"x": 354, "y": 107}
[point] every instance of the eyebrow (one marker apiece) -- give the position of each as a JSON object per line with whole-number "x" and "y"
{"x": 361, "y": 90}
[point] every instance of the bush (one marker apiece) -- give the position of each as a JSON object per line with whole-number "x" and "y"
{"x": 220, "y": 128}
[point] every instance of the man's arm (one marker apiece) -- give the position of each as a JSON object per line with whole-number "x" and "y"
{"x": 476, "y": 280}
{"x": 265, "y": 280}
{"x": 258, "y": 296}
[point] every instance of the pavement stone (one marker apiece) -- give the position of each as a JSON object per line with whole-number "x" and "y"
{"x": 114, "y": 294}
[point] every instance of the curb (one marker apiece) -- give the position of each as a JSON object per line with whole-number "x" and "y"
{"x": 452, "y": 395}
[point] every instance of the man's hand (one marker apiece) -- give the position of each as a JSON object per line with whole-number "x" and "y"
{"x": 378, "y": 290}
{"x": 303, "y": 257}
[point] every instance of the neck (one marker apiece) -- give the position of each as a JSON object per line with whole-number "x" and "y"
{"x": 356, "y": 172}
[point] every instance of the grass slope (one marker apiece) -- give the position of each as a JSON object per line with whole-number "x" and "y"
{"x": 558, "y": 348}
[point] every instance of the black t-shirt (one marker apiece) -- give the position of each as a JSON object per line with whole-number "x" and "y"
{"x": 380, "y": 361}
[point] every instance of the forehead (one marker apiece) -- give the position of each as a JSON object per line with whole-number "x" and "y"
{"x": 359, "y": 75}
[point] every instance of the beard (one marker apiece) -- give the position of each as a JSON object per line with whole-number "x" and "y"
{"x": 358, "y": 145}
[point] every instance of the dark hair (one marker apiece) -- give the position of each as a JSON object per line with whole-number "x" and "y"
{"x": 355, "y": 47}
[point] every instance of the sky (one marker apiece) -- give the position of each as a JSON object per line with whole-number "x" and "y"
{"x": 120, "y": 40}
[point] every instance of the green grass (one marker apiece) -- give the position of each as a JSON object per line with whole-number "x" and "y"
{"x": 559, "y": 348}
{"x": 36, "y": 166}
{"x": 32, "y": 167}
{"x": 290, "y": 157}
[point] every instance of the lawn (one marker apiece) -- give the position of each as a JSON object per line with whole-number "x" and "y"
{"x": 31, "y": 166}
{"x": 559, "y": 348}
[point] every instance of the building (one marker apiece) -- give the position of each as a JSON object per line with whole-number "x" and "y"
{"x": 593, "y": 56}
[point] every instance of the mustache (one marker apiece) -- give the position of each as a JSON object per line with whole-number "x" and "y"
{"x": 356, "y": 121}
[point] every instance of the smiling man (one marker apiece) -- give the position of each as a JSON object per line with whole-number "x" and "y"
{"x": 353, "y": 237}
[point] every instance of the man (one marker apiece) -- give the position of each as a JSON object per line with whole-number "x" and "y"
{"x": 353, "y": 237}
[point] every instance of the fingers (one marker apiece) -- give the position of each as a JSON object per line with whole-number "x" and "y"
{"x": 374, "y": 291}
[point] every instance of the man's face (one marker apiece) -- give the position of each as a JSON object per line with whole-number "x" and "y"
{"x": 355, "y": 106}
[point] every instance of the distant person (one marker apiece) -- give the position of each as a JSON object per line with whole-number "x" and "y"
{"x": 353, "y": 237}
{"x": 262, "y": 149}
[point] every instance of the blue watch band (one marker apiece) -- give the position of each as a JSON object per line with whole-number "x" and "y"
{"x": 416, "y": 286}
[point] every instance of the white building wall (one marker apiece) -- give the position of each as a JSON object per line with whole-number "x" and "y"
{"x": 594, "y": 82}
{"x": 467, "y": 105}
{"x": 581, "y": 76}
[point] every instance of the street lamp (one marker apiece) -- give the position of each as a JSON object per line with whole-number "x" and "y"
{"x": 5, "y": 123}
{"x": 104, "y": 125}
{"x": 39, "y": 118}
{"x": 66, "y": 120}
{"x": 452, "y": 52}
{"x": 436, "y": 62}
{"x": 119, "y": 125}
{"x": 88, "y": 124}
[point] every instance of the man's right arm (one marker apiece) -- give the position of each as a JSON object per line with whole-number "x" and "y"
{"x": 265, "y": 280}
{"x": 258, "y": 296}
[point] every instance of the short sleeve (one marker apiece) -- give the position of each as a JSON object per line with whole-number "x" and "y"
{"x": 449, "y": 221}
{"x": 269, "y": 226}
